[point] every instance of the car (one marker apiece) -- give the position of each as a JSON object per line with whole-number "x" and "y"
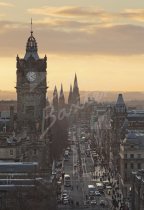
{"x": 97, "y": 193}
{"x": 91, "y": 193}
{"x": 103, "y": 203}
{"x": 93, "y": 202}
{"x": 108, "y": 187}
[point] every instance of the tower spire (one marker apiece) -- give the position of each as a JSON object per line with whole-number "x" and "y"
{"x": 76, "y": 95}
{"x": 31, "y": 28}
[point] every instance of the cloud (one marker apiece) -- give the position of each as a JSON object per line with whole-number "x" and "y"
{"x": 89, "y": 12}
{"x": 4, "y": 4}
{"x": 113, "y": 40}
{"x": 135, "y": 14}
{"x": 71, "y": 12}
{"x": 68, "y": 11}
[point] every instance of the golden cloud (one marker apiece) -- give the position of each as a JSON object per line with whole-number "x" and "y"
{"x": 85, "y": 12}
{"x": 4, "y": 4}
{"x": 135, "y": 14}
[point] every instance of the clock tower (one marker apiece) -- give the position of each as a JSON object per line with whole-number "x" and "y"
{"x": 31, "y": 87}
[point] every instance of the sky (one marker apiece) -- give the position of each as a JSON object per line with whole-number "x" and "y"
{"x": 100, "y": 40}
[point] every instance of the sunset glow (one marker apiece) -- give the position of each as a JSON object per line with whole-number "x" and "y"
{"x": 102, "y": 43}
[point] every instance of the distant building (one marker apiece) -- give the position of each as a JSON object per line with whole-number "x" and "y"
{"x": 118, "y": 116}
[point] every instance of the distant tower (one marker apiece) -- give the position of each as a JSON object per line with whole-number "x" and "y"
{"x": 120, "y": 111}
{"x": 76, "y": 95}
{"x": 61, "y": 98}
{"x": 118, "y": 117}
{"x": 55, "y": 99}
{"x": 120, "y": 107}
{"x": 31, "y": 86}
{"x": 70, "y": 97}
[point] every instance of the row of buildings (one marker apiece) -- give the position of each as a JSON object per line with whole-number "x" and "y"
{"x": 119, "y": 135}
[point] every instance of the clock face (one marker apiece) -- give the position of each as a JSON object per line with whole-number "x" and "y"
{"x": 31, "y": 76}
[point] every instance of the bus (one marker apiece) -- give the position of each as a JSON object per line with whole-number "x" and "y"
{"x": 66, "y": 155}
{"x": 100, "y": 186}
{"x": 91, "y": 190}
{"x": 67, "y": 180}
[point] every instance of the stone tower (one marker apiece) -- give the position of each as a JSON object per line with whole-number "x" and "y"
{"x": 31, "y": 86}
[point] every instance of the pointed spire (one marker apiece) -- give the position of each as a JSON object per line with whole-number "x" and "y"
{"x": 61, "y": 91}
{"x": 120, "y": 104}
{"x": 55, "y": 99}
{"x": 75, "y": 81}
{"x": 55, "y": 89}
{"x": 61, "y": 98}
{"x": 70, "y": 97}
{"x": 76, "y": 95}
{"x": 120, "y": 100}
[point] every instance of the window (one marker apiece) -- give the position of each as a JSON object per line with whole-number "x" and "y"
{"x": 125, "y": 155}
{"x": 139, "y": 165}
{"x": 131, "y": 155}
{"x": 11, "y": 151}
{"x": 132, "y": 146}
{"x": 139, "y": 155}
{"x": 132, "y": 166}
{"x": 125, "y": 165}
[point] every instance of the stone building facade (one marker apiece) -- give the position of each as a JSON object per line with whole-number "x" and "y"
{"x": 131, "y": 158}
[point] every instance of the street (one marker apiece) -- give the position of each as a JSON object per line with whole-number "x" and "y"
{"x": 83, "y": 173}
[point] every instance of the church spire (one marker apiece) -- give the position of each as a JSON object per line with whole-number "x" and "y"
{"x": 55, "y": 99}
{"x": 76, "y": 95}
{"x": 70, "y": 97}
{"x": 61, "y": 98}
{"x": 75, "y": 81}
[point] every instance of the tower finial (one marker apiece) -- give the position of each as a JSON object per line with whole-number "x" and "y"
{"x": 31, "y": 27}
